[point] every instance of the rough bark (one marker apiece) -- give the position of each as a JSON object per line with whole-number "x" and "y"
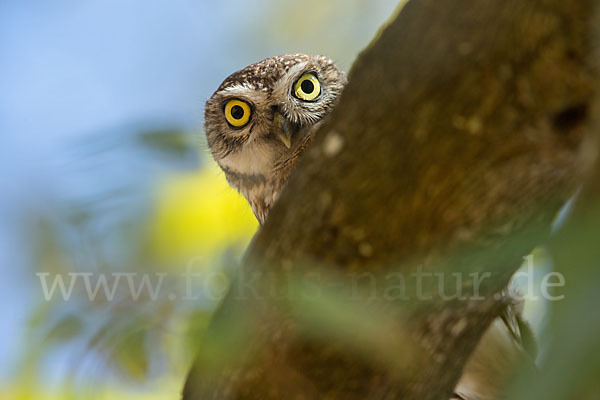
{"x": 452, "y": 148}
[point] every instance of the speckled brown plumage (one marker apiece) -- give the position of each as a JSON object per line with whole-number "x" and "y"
{"x": 253, "y": 157}
{"x": 264, "y": 74}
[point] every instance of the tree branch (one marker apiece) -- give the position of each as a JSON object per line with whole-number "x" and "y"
{"x": 452, "y": 148}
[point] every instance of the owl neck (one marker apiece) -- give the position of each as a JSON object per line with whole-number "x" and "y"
{"x": 260, "y": 190}
{"x": 260, "y": 176}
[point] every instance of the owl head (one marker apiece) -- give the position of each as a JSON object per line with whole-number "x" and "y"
{"x": 261, "y": 118}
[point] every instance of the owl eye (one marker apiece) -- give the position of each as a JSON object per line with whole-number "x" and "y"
{"x": 237, "y": 113}
{"x": 308, "y": 87}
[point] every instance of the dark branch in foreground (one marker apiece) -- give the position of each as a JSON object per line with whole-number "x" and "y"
{"x": 453, "y": 146}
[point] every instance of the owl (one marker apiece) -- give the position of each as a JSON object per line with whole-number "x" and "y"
{"x": 261, "y": 119}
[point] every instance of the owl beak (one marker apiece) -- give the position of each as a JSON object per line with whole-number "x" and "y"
{"x": 283, "y": 129}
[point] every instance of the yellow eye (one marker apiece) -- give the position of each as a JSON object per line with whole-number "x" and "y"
{"x": 308, "y": 87}
{"x": 237, "y": 113}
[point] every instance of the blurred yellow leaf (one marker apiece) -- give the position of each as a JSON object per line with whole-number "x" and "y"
{"x": 165, "y": 391}
{"x": 198, "y": 214}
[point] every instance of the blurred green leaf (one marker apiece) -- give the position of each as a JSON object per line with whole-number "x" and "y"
{"x": 130, "y": 356}
{"x": 172, "y": 142}
{"x": 65, "y": 329}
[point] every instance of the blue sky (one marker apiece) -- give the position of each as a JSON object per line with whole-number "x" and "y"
{"x": 73, "y": 69}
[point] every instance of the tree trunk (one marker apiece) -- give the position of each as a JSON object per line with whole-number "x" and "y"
{"x": 451, "y": 150}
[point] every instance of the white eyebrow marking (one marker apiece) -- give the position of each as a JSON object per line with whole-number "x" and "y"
{"x": 237, "y": 88}
{"x": 296, "y": 69}
{"x": 245, "y": 92}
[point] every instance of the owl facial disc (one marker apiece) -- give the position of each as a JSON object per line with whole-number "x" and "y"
{"x": 262, "y": 118}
